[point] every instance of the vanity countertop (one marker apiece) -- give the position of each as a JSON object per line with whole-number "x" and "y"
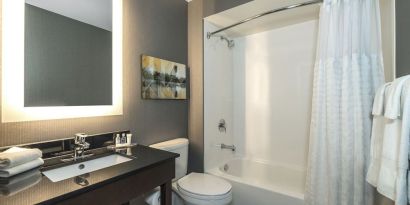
{"x": 44, "y": 191}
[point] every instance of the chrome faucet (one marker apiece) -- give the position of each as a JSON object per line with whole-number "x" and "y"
{"x": 80, "y": 145}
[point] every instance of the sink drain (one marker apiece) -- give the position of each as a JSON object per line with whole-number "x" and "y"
{"x": 81, "y": 166}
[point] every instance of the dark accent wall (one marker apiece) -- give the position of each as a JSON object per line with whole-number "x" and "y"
{"x": 402, "y": 38}
{"x": 157, "y": 28}
{"x": 211, "y": 7}
{"x": 67, "y": 62}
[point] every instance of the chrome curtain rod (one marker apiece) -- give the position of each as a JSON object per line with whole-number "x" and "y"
{"x": 209, "y": 34}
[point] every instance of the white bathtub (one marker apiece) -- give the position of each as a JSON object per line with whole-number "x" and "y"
{"x": 260, "y": 183}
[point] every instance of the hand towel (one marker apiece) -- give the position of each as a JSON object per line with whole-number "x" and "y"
{"x": 19, "y": 183}
{"x": 21, "y": 168}
{"x": 386, "y": 184}
{"x": 154, "y": 198}
{"x": 401, "y": 197}
{"x": 16, "y": 156}
{"x": 393, "y": 102}
{"x": 377, "y": 135}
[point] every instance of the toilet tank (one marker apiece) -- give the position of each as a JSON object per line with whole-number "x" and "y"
{"x": 180, "y": 146}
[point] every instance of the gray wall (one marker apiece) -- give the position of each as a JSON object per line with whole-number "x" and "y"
{"x": 402, "y": 37}
{"x": 215, "y": 6}
{"x": 67, "y": 62}
{"x": 157, "y": 28}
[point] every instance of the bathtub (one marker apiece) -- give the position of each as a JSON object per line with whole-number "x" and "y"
{"x": 262, "y": 183}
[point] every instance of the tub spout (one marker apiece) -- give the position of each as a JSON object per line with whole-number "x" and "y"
{"x": 224, "y": 146}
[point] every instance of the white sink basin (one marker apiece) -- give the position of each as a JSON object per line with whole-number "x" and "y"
{"x": 80, "y": 168}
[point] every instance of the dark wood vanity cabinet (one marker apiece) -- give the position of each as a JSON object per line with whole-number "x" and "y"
{"x": 123, "y": 190}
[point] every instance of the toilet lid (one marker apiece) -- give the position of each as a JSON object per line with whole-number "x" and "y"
{"x": 204, "y": 185}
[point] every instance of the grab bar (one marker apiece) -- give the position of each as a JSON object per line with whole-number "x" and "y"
{"x": 224, "y": 146}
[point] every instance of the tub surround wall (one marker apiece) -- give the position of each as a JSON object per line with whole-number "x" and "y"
{"x": 273, "y": 75}
{"x": 143, "y": 33}
{"x": 218, "y": 98}
{"x": 262, "y": 88}
{"x": 197, "y": 9}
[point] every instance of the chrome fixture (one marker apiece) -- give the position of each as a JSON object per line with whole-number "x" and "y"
{"x": 209, "y": 34}
{"x": 80, "y": 145}
{"x": 222, "y": 125}
{"x": 231, "y": 43}
{"x": 82, "y": 179}
{"x": 224, "y": 146}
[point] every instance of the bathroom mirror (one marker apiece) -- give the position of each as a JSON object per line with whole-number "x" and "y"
{"x": 61, "y": 59}
{"x": 67, "y": 53}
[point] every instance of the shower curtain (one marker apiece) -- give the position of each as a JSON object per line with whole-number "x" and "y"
{"x": 348, "y": 70}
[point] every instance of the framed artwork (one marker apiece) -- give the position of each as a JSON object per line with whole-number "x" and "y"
{"x": 162, "y": 79}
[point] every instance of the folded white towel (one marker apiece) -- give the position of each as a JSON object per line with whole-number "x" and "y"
{"x": 376, "y": 145}
{"x": 154, "y": 197}
{"x": 20, "y": 183}
{"x": 386, "y": 184}
{"x": 393, "y": 104}
{"x": 16, "y": 156}
{"x": 379, "y": 100}
{"x": 21, "y": 168}
{"x": 401, "y": 197}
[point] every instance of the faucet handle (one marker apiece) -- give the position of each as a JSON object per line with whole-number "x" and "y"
{"x": 86, "y": 145}
{"x": 80, "y": 138}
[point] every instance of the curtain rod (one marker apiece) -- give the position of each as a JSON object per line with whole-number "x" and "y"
{"x": 209, "y": 34}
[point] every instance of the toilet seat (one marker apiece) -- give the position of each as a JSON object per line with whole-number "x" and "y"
{"x": 198, "y": 187}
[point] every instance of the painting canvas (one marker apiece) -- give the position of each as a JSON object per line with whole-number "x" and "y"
{"x": 162, "y": 79}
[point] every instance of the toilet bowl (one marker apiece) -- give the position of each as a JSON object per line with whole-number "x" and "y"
{"x": 192, "y": 191}
{"x": 204, "y": 189}
{"x": 194, "y": 188}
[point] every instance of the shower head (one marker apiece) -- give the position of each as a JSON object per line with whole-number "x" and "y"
{"x": 231, "y": 43}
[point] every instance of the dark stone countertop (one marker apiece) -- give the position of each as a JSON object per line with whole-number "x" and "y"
{"x": 44, "y": 191}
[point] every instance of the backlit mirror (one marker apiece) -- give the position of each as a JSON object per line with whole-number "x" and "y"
{"x": 61, "y": 59}
{"x": 67, "y": 53}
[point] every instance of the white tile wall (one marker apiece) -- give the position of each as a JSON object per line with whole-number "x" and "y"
{"x": 218, "y": 96}
{"x": 262, "y": 88}
{"x": 273, "y": 75}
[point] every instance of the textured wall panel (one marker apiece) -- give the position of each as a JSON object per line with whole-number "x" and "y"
{"x": 157, "y": 28}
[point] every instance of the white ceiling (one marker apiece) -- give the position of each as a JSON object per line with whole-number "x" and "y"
{"x": 95, "y": 12}
{"x": 268, "y": 22}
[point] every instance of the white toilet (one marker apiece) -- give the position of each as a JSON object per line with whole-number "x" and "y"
{"x": 194, "y": 188}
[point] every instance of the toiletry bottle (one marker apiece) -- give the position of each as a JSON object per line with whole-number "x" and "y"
{"x": 129, "y": 137}
{"x": 123, "y": 139}
{"x": 117, "y": 140}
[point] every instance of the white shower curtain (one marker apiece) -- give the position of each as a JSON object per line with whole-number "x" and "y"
{"x": 348, "y": 70}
